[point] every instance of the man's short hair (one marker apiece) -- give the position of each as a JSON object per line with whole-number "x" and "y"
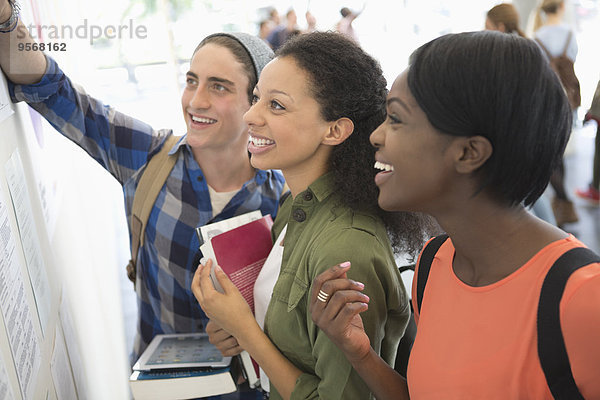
{"x": 249, "y": 50}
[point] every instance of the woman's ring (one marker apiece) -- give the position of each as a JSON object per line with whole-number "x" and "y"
{"x": 322, "y": 296}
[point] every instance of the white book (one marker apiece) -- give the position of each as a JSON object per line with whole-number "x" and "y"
{"x": 206, "y": 234}
{"x": 184, "y": 384}
{"x": 249, "y": 371}
{"x": 181, "y": 366}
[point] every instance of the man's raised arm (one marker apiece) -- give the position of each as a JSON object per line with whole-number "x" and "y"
{"x": 21, "y": 66}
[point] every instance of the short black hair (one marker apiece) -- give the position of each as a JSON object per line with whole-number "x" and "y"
{"x": 348, "y": 82}
{"x": 501, "y": 87}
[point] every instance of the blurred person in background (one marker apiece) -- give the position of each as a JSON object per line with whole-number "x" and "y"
{"x": 280, "y": 34}
{"x": 504, "y": 18}
{"x": 274, "y": 16}
{"x": 344, "y": 25}
{"x": 592, "y": 192}
{"x": 265, "y": 27}
{"x": 556, "y": 37}
{"x": 269, "y": 23}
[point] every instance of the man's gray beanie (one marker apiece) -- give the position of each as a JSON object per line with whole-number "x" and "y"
{"x": 259, "y": 51}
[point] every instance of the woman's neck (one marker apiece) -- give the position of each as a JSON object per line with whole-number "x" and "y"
{"x": 299, "y": 176}
{"x": 554, "y": 19}
{"x": 298, "y": 181}
{"x": 493, "y": 241}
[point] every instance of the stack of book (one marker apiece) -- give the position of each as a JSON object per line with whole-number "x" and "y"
{"x": 186, "y": 366}
{"x": 181, "y": 366}
{"x": 240, "y": 246}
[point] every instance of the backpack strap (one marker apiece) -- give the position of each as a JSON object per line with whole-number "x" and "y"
{"x": 539, "y": 42}
{"x": 151, "y": 182}
{"x": 551, "y": 344}
{"x": 407, "y": 340}
{"x": 285, "y": 192}
{"x": 564, "y": 53}
{"x": 425, "y": 261}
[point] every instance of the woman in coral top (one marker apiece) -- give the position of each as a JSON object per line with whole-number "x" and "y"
{"x": 475, "y": 126}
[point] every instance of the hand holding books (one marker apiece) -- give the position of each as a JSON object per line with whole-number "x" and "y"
{"x": 240, "y": 245}
{"x": 227, "y": 344}
{"x": 240, "y": 250}
{"x": 228, "y": 309}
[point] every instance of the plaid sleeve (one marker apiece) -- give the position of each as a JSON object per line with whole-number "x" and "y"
{"x": 121, "y": 144}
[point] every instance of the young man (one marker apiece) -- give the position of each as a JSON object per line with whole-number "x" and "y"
{"x": 212, "y": 178}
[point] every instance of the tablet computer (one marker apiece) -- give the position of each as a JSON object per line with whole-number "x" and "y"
{"x": 190, "y": 350}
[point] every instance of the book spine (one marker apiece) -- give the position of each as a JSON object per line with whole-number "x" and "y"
{"x": 250, "y": 371}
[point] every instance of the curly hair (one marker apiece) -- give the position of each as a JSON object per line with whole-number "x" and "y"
{"x": 347, "y": 82}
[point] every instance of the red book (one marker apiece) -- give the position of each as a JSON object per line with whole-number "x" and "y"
{"x": 241, "y": 253}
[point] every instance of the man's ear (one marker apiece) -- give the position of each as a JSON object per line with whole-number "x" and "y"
{"x": 339, "y": 131}
{"x": 471, "y": 153}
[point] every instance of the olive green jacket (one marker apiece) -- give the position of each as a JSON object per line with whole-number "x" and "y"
{"x": 321, "y": 233}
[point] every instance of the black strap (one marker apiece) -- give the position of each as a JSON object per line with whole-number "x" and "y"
{"x": 551, "y": 344}
{"x": 409, "y": 267}
{"x": 425, "y": 265}
{"x": 406, "y": 343}
{"x": 284, "y": 195}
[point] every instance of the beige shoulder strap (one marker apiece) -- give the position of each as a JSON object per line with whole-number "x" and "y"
{"x": 544, "y": 48}
{"x": 285, "y": 188}
{"x": 564, "y": 53}
{"x": 152, "y": 180}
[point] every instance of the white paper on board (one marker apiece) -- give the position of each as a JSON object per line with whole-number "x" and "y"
{"x": 72, "y": 344}
{"x": 5, "y": 390}
{"x": 28, "y": 235}
{"x": 61, "y": 369}
{"x": 6, "y": 109}
{"x": 18, "y": 319}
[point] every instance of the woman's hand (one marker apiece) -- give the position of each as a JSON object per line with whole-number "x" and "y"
{"x": 228, "y": 309}
{"x": 227, "y": 344}
{"x": 335, "y": 305}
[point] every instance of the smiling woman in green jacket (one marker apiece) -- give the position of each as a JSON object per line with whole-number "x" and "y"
{"x": 314, "y": 107}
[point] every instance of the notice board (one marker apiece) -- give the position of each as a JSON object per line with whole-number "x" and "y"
{"x": 61, "y": 327}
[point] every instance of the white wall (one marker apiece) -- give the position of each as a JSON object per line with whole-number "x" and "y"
{"x": 75, "y": 230}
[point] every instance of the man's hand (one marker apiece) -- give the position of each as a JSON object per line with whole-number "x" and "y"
{"x": 227, "y": 344}
{"x": 20, "y": 67}
{"x": 5, "y": 11}
{"x": 229, "y": 309}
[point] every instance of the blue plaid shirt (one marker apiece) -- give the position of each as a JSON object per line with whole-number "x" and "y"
{"x": 123, "y": 145}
